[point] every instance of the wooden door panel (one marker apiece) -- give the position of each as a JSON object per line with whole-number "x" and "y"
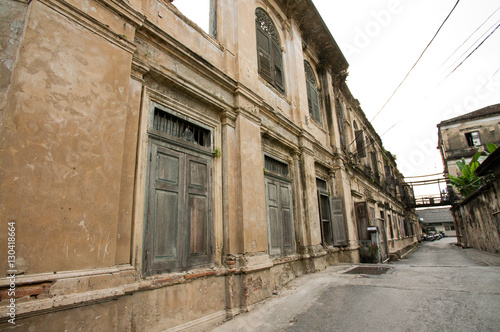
{"x": 338, "y": 219}
{"x": 178, "y": 228}
{"x": 362, "y": 221}
{"x": 198, "y": 224}
{"x": 165, "y": 243}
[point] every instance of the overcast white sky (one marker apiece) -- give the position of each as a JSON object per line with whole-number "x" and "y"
{"x": 382, "y": 39}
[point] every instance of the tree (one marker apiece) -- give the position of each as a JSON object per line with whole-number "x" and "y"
{"x": 469, "y": 182}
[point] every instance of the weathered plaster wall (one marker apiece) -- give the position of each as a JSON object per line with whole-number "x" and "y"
{"x": 12, "y": 22}
{"x": 480, "y": 217}
{"x": 62, "y": 147}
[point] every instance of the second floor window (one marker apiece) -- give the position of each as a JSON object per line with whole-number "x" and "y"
{"x": 269, "y": 51}
{"x": 312, "y": 93}
{"x": 473, "y": 138}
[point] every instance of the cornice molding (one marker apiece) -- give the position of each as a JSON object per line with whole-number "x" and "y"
{"x": 123, "y": 9}
{"x": 165, "y": 42}
{"x": 88, "y": 22}
{"x": 190, "y": 87}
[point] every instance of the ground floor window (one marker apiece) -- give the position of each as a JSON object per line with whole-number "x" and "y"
{"x": 279, "y": 208}
{"x": 331, "y": 214}
{"x": 178, "y": 228}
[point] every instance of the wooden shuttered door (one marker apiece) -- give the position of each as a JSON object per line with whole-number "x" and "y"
{"x": 362, "y": 221}
{"x": 338, "y": 222}
{"x": 178, "y": 232}
{"x": 279, "y": 209}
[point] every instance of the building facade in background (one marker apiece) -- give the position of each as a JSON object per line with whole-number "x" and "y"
{"x": 159, "y": 176}
{"x": 465, "y": 135}
{"x": 438, "y": 220}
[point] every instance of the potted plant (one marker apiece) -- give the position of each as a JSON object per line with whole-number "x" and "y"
{"x": 368, "y": 252}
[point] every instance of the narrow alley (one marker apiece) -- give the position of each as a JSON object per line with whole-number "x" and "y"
{"x": 438, "y": 287}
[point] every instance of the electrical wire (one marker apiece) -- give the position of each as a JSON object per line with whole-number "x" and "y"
{"x": 465, "y": 41}
{"x": 472, "y": 45}
{"x": 473, "y": 51}
{"x": 411, "y": 69}
{"x": 406, "y": 76}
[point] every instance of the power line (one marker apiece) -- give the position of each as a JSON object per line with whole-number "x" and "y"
{"x": 425, "y": 49}
{"x": 455, "y": 51}
{"x": 473, "y": 51}
{"x": 404, "y": 79}
{"x": 471, "y": 46}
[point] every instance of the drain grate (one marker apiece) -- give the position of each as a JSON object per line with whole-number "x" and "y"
{"x": 372, "y": 270}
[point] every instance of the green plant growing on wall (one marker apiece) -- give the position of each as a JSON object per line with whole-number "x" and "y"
{"x": 216, "y": 153}
{"x": 469, "y": 182}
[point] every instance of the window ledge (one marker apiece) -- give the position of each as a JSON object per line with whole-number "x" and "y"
{"x": 276, "y": 91}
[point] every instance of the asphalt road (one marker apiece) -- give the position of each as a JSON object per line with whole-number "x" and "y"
{"x": 438, "y": 287}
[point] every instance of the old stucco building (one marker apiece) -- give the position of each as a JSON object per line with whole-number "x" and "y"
{"x": 465, "y": 135}
{"x": 158, "y": 176}
{"x": 476, "y": 217}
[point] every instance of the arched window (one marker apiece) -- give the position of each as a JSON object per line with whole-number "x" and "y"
{"x": 312, "y": 93}
{"x": 269, "y": 50}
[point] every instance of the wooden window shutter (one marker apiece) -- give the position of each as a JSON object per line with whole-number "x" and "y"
{"x": 279, "y": 211}
{"x": 278, "y": 66}
{"x": 264, "y": 55}
{"x": 162, "y": 248}
{"x": 312, "y": 93}
{"x": 360, "y": 143}
{"x": 309, "y": 99}
{"x": 339, "y": 229}
{"x": 316, "y": 112}
{"x": 273, "y": 217}
{"x": 325, "y": 219}
{"x": 287, "y": 218}
{"x": 198, "y": 209}
{"x": 178, "y": 232}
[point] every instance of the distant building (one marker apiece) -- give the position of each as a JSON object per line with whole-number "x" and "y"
{"x": 439, "y": 220}
{"x": 465, "y": 135}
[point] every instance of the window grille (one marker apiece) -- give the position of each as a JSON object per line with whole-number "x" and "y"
{"x": 321, "y": 184}
{"x": 276, "y": 167}
{"x": 179, "y": 128}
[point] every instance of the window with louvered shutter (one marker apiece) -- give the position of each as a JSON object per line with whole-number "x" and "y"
{"x": 339, "y": 228}
{"x": 269, "y": 55}
{"x": 279, "y": 208}
{"x": 312, "y": 93}
{"x": 278, "y": 66}
{"x": 340, "y": 122}
{"x": 360, "y": 143}
{"x": 264, "y": 54}
{"x": 179, "y": 205}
